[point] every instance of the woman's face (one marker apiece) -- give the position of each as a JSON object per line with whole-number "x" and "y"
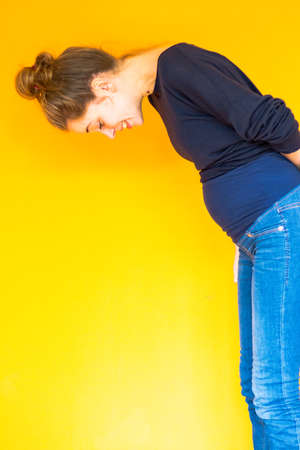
{"x": 118, "y": 100}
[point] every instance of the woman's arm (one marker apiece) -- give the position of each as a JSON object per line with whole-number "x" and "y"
{"x": 209, "y": 86}
{"x": 294, "y": 157}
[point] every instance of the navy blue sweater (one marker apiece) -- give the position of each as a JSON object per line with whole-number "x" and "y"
{"x": 217, "y": 118}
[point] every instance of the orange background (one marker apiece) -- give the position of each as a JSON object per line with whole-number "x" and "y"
{"x": 119, "y": 322}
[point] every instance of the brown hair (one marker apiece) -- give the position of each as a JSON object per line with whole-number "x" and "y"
{"x": 62, "y": 84}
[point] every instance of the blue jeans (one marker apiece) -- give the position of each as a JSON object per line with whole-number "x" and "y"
{"x": 269, "y": 320}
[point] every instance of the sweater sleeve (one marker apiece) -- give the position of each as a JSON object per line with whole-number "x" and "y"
{"x": 255, "y": 117}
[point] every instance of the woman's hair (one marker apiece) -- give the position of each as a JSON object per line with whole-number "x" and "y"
{"x": 62, "y": 84}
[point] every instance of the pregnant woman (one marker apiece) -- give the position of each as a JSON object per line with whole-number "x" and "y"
{"x": 246, "y": 147}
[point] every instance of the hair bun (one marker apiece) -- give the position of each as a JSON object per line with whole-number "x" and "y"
{"x": 43, "y": 68}
{"x": 31, "y": 82}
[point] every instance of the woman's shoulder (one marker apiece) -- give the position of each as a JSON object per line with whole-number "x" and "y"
{"x": 187, "y": 48}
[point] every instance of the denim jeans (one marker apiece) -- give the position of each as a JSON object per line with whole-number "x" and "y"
{"x": 269, "y": 321}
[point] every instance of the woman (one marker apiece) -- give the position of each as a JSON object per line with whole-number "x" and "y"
{"x": 246, "y": 147}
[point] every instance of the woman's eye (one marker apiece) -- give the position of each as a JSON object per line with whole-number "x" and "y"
{"x": 100, "y": 125}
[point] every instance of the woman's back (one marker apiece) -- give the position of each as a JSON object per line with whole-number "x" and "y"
{"x": 217, "y": 119}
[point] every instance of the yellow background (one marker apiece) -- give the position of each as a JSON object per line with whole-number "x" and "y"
{"x": 119, "y": 320}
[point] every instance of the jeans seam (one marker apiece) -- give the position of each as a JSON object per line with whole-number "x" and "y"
{"x": 285, "y": 286}
{"x": 244, "y": 249}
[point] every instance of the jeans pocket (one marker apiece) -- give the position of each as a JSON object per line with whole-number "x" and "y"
{"x": 288, "y": 206}
{"x": 266, "y": 230}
